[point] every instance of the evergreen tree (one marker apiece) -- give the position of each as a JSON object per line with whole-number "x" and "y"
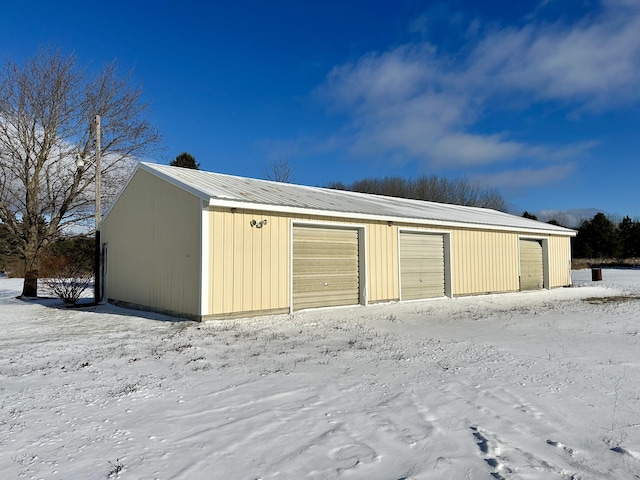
{"x": 597, "y": 238}
{"x": 185, "y": 160}
{"x": 530, "y": 216}
{"x": 7, "y": 249}
{"x": 629, "y": 232}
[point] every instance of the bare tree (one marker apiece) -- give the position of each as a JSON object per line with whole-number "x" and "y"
{"x": 280, "y": 170}
{"x": 430, "y": 188}
{"x": 47, "y": 107}
{"x": 556, "y": 218}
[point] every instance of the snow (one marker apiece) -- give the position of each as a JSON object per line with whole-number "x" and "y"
{"x": 538, "y": 385}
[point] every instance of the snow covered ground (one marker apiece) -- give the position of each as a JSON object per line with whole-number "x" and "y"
{"x": 541, "y": 385}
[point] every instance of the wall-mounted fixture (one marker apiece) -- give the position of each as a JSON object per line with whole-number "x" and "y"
{"x": 390, "y": 223}
{"x": 257, "y": 224}
{"x": 234, "y": 210}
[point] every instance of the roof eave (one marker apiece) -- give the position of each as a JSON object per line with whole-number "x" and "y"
{"x": 223, "y": 203}
{"x": 231, "y": 203}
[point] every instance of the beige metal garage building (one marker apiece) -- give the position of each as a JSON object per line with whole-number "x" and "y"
{"x": 204, "y": 245}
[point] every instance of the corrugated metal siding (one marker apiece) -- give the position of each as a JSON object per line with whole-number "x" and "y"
{"x": 531, "y": 265}
{"x": 325, "y": 267}
{"x": 560, "y": 261}
{"x": 154, "y": 246}
{"x": 421, "y": 265}
{"x": 249, "y": 266}
{"x": 484, "y": 262}
{"x": 232, "y": 289}
{"x": 153, "y": 231}
{"x": 382, "y": 257}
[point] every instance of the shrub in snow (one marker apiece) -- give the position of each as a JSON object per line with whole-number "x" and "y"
{"x": 68, "y": 275}
{"x": 69, "y": 282}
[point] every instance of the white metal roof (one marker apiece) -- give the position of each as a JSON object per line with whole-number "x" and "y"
{"x": 217, "y": 189}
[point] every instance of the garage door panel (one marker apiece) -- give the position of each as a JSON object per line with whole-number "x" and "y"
{"x": 531, "y": 265}
{"x": 326, "y": 292}
{"x": 337, "y": 284}
{"x": 417, "y": 269}
{"x": 332, "y": 264}
{"x": 327, "y": 299}
{"x": 312, "y": 301}
{"x": 324, "y": 274}
{"x": 432, "y": 255}
{"x": 340, "y": 298}
{"x": 421, "y": 265}
{"x": 431, "y": 244}
{"x": 312, "y": 234}
{"x": 325, "y": 267}
{"x": 420, "y": 278}
{"x": 333, "y": 249}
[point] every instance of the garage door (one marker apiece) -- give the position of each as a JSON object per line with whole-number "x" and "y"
{"x": 325, "y": 267}
{"x": 421, "y": 266}
{"x": 531, "y": 266}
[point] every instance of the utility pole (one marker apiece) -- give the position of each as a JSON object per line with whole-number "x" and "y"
{"x": 97, "y": 294}
{"x": 97, "y": 254}
{"x": 98, "y": 153}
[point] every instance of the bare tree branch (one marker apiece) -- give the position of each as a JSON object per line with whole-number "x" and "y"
{"x": 430, "y": 188}
{"x": 280, "y": 170}
{"x": 47, "y": 107}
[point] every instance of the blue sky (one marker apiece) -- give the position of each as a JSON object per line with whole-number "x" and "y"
{"x": 539, "y": 99}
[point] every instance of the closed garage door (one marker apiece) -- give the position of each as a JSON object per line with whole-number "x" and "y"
{"x": 325, "y": 267}
{"x": 421, "y": 266}
{"x": 531, "y": 267}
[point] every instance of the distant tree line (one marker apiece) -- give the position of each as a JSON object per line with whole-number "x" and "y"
{"x": 429, "y": 188}
{"x": 559, "y": 220}
{"x": 601, "y": 237}
{"x": 76, "y": 249}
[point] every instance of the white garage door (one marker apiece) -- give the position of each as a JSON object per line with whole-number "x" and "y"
{"x": 531, "y": 266}
{"x": 325, "y": 267}
{"x": 421, "y": 266}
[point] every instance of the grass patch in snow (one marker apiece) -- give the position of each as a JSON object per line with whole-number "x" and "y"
{"x": 115, "y": 468}
{"x": 611, "y": 299}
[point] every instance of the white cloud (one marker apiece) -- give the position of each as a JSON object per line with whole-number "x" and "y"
{"x": 420, "y": 25}
{"x": 518, "y": 179}
{"x": 414, "y": 102}
{"x": 594, "y": 63}
{"x": 466, "y": 149}
{"x": 379, "y": 80}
